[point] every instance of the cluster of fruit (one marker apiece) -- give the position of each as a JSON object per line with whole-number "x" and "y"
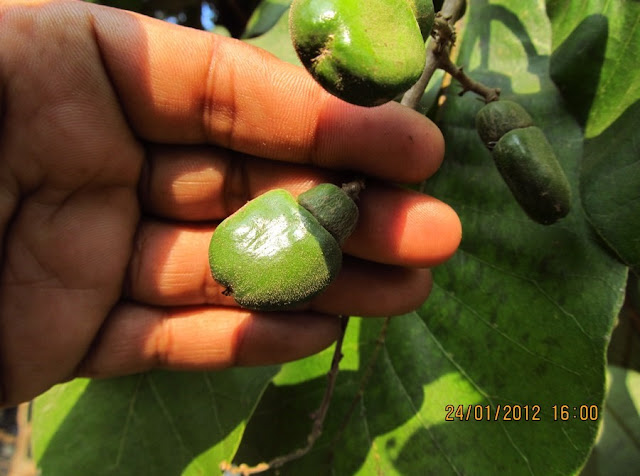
{"x": 277, "y": 252}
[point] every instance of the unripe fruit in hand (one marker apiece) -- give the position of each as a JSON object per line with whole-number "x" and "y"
{"x": 274, "y": 254}
{"x": 349, "y": 49}
{"x": 529, "y": 166}
{"x": 499, "y": 117}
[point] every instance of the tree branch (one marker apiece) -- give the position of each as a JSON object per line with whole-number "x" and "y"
{"x": 318, "y": 419}
{"x": 443, "y": 37}
{"x": 468, "y": 84}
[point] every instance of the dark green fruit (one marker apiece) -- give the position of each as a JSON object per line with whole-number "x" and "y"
{"x": 499, "y": 117}
{"x": 364, "y": 52}
{"x": 273, "y": 253}
{"x": 333, "y": 209}
{"x": 526, "y": 160}
{"x": 530, "y": 168}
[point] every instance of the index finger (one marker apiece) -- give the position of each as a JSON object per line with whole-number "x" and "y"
{"x": 179, "y": 85}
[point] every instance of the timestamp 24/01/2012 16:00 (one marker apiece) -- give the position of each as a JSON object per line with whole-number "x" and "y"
{"x": 520, "y": 412}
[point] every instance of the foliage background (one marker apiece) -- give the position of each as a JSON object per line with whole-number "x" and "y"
{"x": 522, "y": 315}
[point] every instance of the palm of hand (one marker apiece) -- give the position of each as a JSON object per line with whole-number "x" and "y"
{"x": 123, "y": 140}
{"x": 70, "y": 168}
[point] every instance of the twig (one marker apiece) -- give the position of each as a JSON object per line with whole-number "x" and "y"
{"x": 363, "y": 381}
{"x": 438, "y": 51}
{"x": 318, "y": 418}
{"x": 468, "y": 84}
{"x": 449, "y": 14}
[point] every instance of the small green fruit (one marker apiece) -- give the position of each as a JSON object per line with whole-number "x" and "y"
{"x": 350, "y": 49}
{"x": 530, "y": 168}
{"x": 499, "y": 117}
{"x": 274, "y": 254}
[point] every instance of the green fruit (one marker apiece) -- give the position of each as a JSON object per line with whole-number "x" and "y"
{"x": 274, "y": 254}
{"x": 350, "y": 49}
{"x": 499, "y": 117}
{"x": 530, "y": 168}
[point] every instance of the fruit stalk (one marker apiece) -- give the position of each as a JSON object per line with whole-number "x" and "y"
{"x": 353, "y": 188}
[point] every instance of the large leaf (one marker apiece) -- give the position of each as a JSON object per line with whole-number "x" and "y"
{"x": 520, "y": 316}
{"x": 610, "y": 185}
{"x": 595, "y": 44}
{"x": 576, "y": 65}
{"x": 157, "y": 423}
{"x": 617, "y": 83}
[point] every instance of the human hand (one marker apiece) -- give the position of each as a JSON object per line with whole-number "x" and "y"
{"x": 124, "y": 139}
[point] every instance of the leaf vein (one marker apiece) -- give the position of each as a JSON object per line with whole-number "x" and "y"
{"x": 536, "y": 284}
{"x": 416, "y": 411}
{"x": 127, "y": 423}
{"x": 620, "y": 58}
{"x": 478, "y": 388}
{"x": 214, "y": 406}
{"x": 165, "y": 411}
{"x": 505, "y": 335}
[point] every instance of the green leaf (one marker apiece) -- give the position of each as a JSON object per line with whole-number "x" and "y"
{"x": 618, "y": 446}
{"x": 520, "y": 316}
{"x": 524, "y": 311}
{"x": 618, "y": 81}
{"x": 576, "y": 65}
{"x": 594, "y": 42}
{"x": 610, "y": 185}
{"x": 157, "y": 423}
{"x": 295, "y": 393}
{"x": 265, "y": 17}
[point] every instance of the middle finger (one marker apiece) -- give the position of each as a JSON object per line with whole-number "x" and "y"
{"x": 206, "y": 184}
{"x": 170, "y": 268}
